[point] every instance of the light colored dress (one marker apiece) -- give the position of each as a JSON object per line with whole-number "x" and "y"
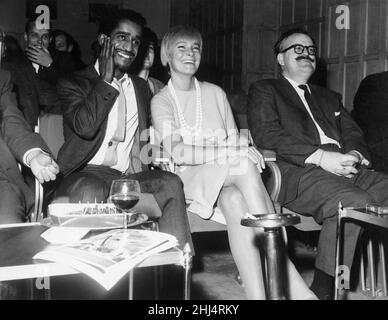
{"x": 202, "y": 183}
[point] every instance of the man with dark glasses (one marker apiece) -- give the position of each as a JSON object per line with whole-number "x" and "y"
{"x": 322, "y": 153}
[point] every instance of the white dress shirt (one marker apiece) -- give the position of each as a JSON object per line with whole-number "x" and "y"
{"x": 132, "y": 123}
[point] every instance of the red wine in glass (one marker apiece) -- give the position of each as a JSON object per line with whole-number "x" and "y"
{"x": 125, "y": 201}
{"x": 125, "y": 193}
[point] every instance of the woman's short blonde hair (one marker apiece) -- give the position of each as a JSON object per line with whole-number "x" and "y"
{"x": 175, "y": 33}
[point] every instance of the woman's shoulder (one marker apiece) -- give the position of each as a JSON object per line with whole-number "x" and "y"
{"x": 162, "y": 95}
{"x": 211, "y": 87}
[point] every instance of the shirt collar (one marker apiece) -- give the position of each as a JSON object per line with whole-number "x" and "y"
{"x": 125, "y": 80}
{"x": 295, "y": 84}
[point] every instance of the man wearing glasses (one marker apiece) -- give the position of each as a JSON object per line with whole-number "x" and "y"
{"x": 322, "y": 154}
{"x": 34, "y": 73}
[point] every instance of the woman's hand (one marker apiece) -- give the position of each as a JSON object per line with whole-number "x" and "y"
{"x": 238, "y": 152}
{"x": 257, "y": 158}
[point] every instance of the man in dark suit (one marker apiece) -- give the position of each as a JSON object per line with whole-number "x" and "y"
{"x": 322, "y": 154}
{"x": 34, "y": 74}
{"x": 17, "y": 141}
{"x": 371, "y": 114}
{"x": 106, "y": 121}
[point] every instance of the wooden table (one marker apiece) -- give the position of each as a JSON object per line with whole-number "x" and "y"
{"x": 20, "y": 242}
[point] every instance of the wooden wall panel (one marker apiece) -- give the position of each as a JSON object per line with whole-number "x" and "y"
{"x": 351, "y": 83}
{"x": 353, "y": 39}
{"x": 334, "y": 77}
{"x": 287, "y": 12}
{"x": 373, "y": 66}
{"x": 336, "y": 37}
{"x": 314, "y": 9}
{"x": 300, "y": 11}
{"x": 269, "y": 13}
{"x": 373, "y": 27}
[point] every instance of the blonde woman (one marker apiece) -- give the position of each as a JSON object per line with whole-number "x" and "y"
{"x": 216, "y": 165}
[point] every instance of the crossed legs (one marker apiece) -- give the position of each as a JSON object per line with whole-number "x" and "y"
{"x": 246, "y": 193}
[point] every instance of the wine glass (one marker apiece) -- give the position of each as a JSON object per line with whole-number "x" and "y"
{"x": 125, "y": 193}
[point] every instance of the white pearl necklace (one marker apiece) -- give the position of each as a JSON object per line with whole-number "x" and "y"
{"x": 194, "y": 131}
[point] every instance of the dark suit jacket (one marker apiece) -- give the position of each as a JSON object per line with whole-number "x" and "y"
{"x": 86, "y": 101}
{"x": 35, "y": 93}
{"x": 15, "y": 139}
{"x": 371, "y": 114}
{"x": 278, "y": 120}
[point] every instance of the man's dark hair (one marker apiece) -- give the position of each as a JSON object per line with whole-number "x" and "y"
{"x": 32, "y": 20}
{"x": 277, "y": 48}
{"x": 111, "y": 20}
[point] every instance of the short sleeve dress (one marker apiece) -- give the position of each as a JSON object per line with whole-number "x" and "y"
{"x": 202, "y": 183}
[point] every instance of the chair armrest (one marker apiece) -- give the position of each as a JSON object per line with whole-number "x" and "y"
{"x": 276, "y": 177}
{"x": 161, "y": 159}
{"x": 269, "y": 155}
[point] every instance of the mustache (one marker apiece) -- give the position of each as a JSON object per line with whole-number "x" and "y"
{"x": 305, "y": 58}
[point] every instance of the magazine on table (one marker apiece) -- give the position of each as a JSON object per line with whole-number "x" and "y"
{"x": 107, "y": 257}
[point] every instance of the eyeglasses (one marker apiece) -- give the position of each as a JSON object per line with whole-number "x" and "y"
{"x": 299, "y": 49}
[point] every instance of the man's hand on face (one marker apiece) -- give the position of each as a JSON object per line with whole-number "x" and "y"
{"x": 339, "y": 164}
{"x": 43, "y": 167}
{"x": 105, "y": 60}
{"x": 40, "y": 56}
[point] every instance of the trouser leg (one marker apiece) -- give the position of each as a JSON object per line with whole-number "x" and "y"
{"x": 93, "y": 184}
{"x": 319, "y": 194}
{"x": 12, "y": 203}
{"x": 167, "y": 189}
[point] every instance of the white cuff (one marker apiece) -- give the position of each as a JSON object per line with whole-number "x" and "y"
{"x": 315, "y": 158}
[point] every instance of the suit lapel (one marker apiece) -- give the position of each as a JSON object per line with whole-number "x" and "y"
{"x": 327, "y": 124}
{"x": 294, "y": 99}
{"x": 292, "y": 94}
{"x": 141, "y": 105}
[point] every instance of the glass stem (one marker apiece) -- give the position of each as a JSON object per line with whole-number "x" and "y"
{"x": 125, "y": 214}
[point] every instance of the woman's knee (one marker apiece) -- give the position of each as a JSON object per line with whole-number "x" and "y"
{"x": 231, "y": 197}
{"x": 249, "y": 174}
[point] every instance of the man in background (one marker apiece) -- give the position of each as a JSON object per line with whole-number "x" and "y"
{"x": 34, "y": 74}
{"x": 371, "y": 114}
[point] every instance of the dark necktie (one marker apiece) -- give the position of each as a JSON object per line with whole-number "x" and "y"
{"x": 315, "y": 110}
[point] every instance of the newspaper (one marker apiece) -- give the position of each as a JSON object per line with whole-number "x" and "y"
{"x": 107, "y": 257}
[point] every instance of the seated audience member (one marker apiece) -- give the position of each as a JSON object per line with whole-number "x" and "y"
{"x": 18, "y": 143}
{"x": 34, "y": 74}
{"x": 147, "y": 58}
{"x": 65, "y": 51}
{"x": 321, "y": 151}
{"x": 106, "y": 112}
{"x": 195, "y": 122}
{"x": 12, "y": 48}
{"x": 371, "y": 114}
